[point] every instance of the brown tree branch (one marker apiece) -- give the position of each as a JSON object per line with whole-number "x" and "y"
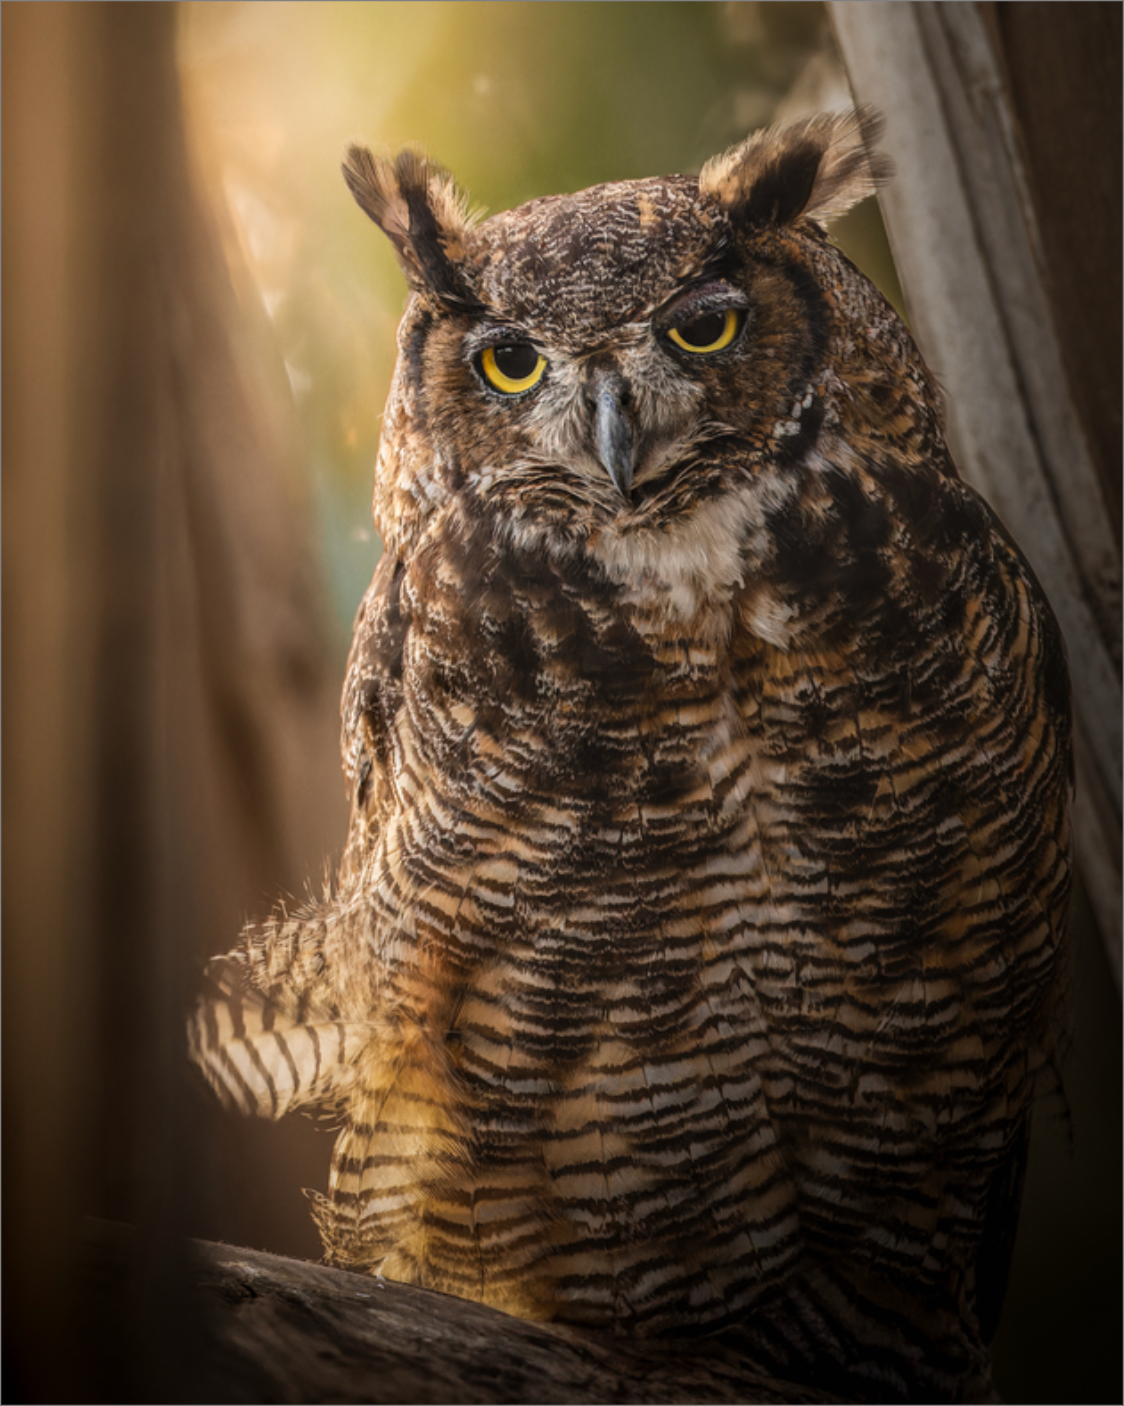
{"x": 275, "y": 1329}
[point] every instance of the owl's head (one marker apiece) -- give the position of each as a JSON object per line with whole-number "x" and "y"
{"x": 609, "y": 365}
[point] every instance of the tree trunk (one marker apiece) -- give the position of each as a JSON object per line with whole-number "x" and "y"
{"x": 170, "y": 709}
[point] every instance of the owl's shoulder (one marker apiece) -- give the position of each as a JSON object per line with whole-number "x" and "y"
{"x": 372, "y": 695}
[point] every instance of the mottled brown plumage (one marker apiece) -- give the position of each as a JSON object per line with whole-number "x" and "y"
{"x": 697, "y": 945}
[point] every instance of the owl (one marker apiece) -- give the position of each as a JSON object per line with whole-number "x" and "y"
{"x": 697, "y": 947}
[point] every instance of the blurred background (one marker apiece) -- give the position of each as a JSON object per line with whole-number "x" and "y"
{"x": 198, "y": 337}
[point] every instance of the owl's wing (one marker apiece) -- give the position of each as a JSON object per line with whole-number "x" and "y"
{"x": 261, "y": 1060}
{"x": 372, "y": 695}
{"x": 916, "y": 742}
{"x": 277, "y": 1032}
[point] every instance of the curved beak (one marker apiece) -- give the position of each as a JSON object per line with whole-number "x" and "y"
{"x": 614, "y": 430}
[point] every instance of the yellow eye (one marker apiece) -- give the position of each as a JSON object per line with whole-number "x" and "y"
{"x": 512, "y": 368}
{"x": 708, "y": 333}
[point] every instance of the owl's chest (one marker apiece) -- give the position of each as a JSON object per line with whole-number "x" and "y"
{"x": 522, "y": 692}
{"x": 588, "y": 798}
{"x": 574, "y": 835}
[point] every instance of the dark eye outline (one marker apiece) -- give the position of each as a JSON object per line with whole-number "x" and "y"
{"x": 733, "y": 322}
{"x": 497, "y": 380}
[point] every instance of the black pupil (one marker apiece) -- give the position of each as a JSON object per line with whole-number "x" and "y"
{"x": 516, "y": 362}
{"x": 701, "y": 331}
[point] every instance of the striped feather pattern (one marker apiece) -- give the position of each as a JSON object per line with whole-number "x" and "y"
{"x": 697, "y": 949}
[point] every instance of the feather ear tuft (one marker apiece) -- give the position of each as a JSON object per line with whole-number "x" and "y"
{"x": 812, "y": 170}
{"x": 417, "y": 205}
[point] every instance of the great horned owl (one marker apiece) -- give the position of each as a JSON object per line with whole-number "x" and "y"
{"x": 696, "y": 948}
